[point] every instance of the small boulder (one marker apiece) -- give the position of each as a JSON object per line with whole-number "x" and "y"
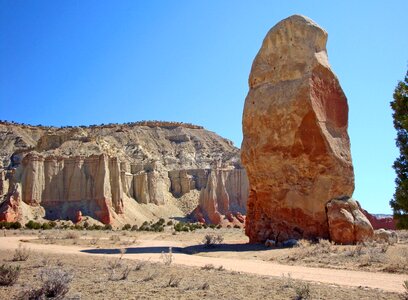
{"x": 386, "y": 236}
{"x": 347, "y": 224}
{"x": 270, "y": 243}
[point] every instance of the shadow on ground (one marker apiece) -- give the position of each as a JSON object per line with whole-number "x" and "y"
{"x": 194, "y": 249}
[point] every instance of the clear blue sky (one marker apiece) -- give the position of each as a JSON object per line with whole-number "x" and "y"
{"x": 91, "y": 62}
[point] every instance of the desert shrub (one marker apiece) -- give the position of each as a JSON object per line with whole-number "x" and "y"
{"x": 21, "y": 253}
{"x": 94, "y": 241}
{"x": 9, "y": 275}
{"x": 107, "y": 227}
{"x": 86, "y": 224}
{"x": 78, "y": 227}
{"x": 210, "y": 240}
{"x": 95, "y": 227}
{"x": 157, "y": 227}
{"x": 125, "y": 273}
{"x": 134, "y": 228}
{"x": 204, "y": 286}
{"x": 126, "y": 227}
{"x": 302, "y": 291}
{"x": 114, "y": 238}
{"x": 55, "y": 284}
{"x": 139, "y": 265}
{"x": 32, "y": 225}
{"x": 237, "y": 226}
{"x": 71, "y": 235}
{"x": 174, "y": 281}
{"x": 169, "y": 223}
{"x": 186, "y": 227}
{"x": 167, "y": 258}
{"x": 405, "y": 293}
{"x": 150, "y": 276}
{"x": 10, "y": 225}
{"x": 45, "y": 226}
{"x": 212, "y": 226}
{"x": 208, "y": 267}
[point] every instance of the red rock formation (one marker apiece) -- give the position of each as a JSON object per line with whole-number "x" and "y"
{"x": 347, "y": 223}
{"x": 378, "y": 223}
{"x": 10, "y": 209}
{"x": 78, "y": 217}
{"x": 222, "y": 196}
{"x": 296, "y": 149}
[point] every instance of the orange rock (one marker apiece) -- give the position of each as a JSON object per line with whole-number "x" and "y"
{"x": 347, "y": 223}
{"x": 10, "y": 209}
{"x": 78, "y": 217}
{"x": 296, "y": 149}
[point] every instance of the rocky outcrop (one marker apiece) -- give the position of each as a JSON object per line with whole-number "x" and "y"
{"x": 223, "y": 193}
{"x": 107, "y": 172}
{"x": 347, "y": 223}
{"x": 10, "y": 208}
{"x": 385, "y": 236}
{"x": 296, "y": 149}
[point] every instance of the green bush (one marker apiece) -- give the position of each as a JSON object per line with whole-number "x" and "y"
{"x": 126, "y": 227}
{"x": 32, "y": 225}
{"x": 10, "y": 225}
{"x": 46, "y": 226}
{"x": 107, "y": 227}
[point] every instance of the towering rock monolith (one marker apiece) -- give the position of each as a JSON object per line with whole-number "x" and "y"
{"x": 296, "y": 149}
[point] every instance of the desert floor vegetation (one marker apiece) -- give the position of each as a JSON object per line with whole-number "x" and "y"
{"x": 231, "y": 243}
{"x": 90, "y": 277}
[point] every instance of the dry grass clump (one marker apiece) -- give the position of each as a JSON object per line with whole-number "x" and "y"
{"x": 167, "y": 258}
{"x": 302, "y": 291}
{"x": 8, "y": 275}
{"x": 174, "y": 281}
{"x": 55, "y": 284}
{"x": 369, "y": 255}
{"x": 71, "y": 235}
{"x": 210, "y": 240}
{"x": 118, "y": 269}
{"x": 405, "y": 293}
{"x": 397, "y": 261}
{"x": 306, "y": 248}
{"x": 114, "y": 238}
{"x": 21, "y": 253}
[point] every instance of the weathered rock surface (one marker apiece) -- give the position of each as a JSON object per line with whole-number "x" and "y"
{"x": 385, "y": 236}
{"x": 223, "y": 193}
{"x": 296, "y": 149}
{"x": 347, "y": 223}
{"x": 107, "y": 172}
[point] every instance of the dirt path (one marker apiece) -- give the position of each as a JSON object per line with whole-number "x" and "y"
{"x": 151, "y": 250}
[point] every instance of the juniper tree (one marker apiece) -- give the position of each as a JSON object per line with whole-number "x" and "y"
{"x": 399, "y": 203}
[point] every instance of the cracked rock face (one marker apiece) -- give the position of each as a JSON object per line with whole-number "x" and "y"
{"x": 296, "y": 149}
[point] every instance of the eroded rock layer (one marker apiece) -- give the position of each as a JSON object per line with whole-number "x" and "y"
{"x": 296, "y": 149}
{"x": 112, "y": 173}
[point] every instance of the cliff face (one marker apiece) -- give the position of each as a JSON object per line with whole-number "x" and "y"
{"x": 104, "y": 171}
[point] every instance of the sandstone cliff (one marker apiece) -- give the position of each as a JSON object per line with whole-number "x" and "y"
{"x": 115, "y": 173}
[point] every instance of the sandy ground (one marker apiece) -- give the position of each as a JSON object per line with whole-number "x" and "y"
{"x": 151, "y": 249}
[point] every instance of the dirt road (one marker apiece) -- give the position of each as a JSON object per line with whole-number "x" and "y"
{"x": 152, "y": 249}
